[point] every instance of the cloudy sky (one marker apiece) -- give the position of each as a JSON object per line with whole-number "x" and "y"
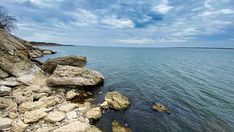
{"x": 126, "y": 22}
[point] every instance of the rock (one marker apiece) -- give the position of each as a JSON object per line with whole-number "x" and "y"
{"x": 41, "y": 103}
{"x": 47, "y": 52}
{"x": 4, "y": 91}
{"x": 71, "y": 115}
{"x": 5, "y": 102}
{"x": 71, "y": 94}
{"x": 40, "y": 95}
{"x": 159, "y": 107}
{"x": 50, "y": 65}
{"x": 3, "y": 74}
{"x": 18, "y": 126}
{"x": 39, "y": 89}
{"x": 104, "y": 105}
{"x": 35, "y": 115}
{"x": 44, "y": 129}
{"x": 93, "y": 129}
{"x": 54, "y": 116}
{"x": 74, "y": 76}
{"x": 67, "y": 107}
{"x": 83, "y": 108}
{"x": 117, "y": 127}
{"x": 12, "y": 110}
{"x": 117, "y": 101}
{"x": 5, "y": 123}
{"x": 74, "y": 127}
{"x": 11, "y": 82}
{"x": 94, "y": 113}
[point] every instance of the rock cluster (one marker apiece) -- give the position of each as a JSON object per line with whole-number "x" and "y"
{"x": 116, "y": 101}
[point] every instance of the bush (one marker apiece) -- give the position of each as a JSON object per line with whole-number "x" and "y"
{"x": 7, "y": 22}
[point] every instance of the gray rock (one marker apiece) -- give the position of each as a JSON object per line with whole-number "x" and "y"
{"x": 4, "y": 91}
{"x": 50, "y": 65}
{"x": 74, "y": 76}
{"x": 5, "y": 123}
{"x": 11, "y": 82}
{"x": 3, "y": 74}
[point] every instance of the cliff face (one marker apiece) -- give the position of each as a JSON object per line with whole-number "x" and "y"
{"x": 14, "y": 56}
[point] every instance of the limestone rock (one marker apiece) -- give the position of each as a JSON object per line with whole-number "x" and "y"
{"x": 117, "y": 101}
{"x": 70, "y": 94}
{"x": 117, "y": 127}
{"x": 159, "y": 107}
{"x": 5, "y": 123}
{"x": 47, "y": 52}
{"x": 54, "y": 116}
{"x": 71, "y": 115}
{"x": 104, "y": 105}
{"x": 12, "y": 110}
{"x": 5, "y": 102}
{"x": 74, "y": 127}
{"x": 18, "y": 126}
{"x": 11, "y": 82}
{"x": 3, "y": 74}
{"x": 4, "y": 91}
{"x": 94, "y": 113}
{"x": 50, "y": 65}
{"x": 84, "y": 107}
{"x": 93, "y": 129}
{"x": 74, "y": 76}
{"x": 35, "y": 115}
{"x": 67, "y": 107}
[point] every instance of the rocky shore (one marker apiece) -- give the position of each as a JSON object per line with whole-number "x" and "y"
{"x": 52, "y": 96}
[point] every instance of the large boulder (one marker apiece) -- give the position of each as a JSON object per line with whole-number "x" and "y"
{"x": 74, "y": 76}
{"x": 50, "y": 65}
{"x": 117, "y": 101}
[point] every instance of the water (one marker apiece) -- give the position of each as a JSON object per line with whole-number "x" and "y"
{"x": 197, "y": 85}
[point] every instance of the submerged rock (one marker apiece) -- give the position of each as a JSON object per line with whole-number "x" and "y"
{"x": 117, "y": 127}
{"x": 117, "y": 101}
{"x": 94, "y": 113}
{"x": 50, "y": 65}
{"x": 74, "y": 76}
{"x": 160, "y": 107}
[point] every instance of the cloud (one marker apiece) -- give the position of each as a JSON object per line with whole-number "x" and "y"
{"x": 163, "y": 7}
{"x": 118, "y": 23}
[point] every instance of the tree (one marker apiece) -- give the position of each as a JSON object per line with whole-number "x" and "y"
{"x": 7, "y": 22}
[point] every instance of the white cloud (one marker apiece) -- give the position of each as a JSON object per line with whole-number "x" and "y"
{"x": 84, "y": 17}
{"x": 163, "y": 7}
{"x": 118, "y": 23}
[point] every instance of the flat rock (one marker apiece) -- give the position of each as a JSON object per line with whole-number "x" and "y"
{"x": 117, "y": 101}
{"x": 50, "y": 65}
{"x": 74, "y": 76}
{"x": 54, "y": 116}
{"x": 3, "y": 74}
{"x": 34, "y": 115}
{"x": 94, "y": 113}
{"x": 11, "y": 82}
{"x": 74, "y": 127}
{"x": 5, "y": 123}
{"x": 117, "y": 127}
{"x": 4, "y": 91}
{"x": 67, "y": 107}
{"x": 19, "y": 126}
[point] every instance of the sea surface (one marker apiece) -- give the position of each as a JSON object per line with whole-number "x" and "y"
{"x": 197, "y": 85}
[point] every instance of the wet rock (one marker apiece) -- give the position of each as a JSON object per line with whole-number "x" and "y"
{"x": 74, "y": 127}
{"x": 104, "y": 105}
{"x": 94, "y": 113}
{"x": 5, "y": 123}
{"x": 11, "y": 82}
{"x": 54, "y": 116}
{"x": 159, "y": 107}
{"x": 67, "y": 107}
{"x": 19, "y": 126}
{"x": 4, "y": 91}
{"x": 117, "y": 101}
{"x": 34, "y": 115}
{"x": 71, "y": 94}
{"x": 74, "y": 76}
{"x": 50, "y": 65}
{"x": 3, "y": 74}
{"x": 117, "y": 127}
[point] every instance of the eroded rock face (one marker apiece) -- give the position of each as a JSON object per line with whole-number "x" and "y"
{"x": 117, "y": 127}
{"x": 117, "y": 101}
{"x": 50, "y": 65}
{"x": 94, "y": 113}
{"x": 74, "y": 76}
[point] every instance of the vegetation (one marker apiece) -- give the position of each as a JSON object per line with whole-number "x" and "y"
{"x": 7, "y": 22}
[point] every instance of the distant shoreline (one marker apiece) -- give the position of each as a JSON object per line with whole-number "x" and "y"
{"x": 33, "y": 43}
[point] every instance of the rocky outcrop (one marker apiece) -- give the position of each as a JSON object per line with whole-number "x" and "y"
{"x": 50, "y": 65}
{"x": 74, "y": 76}
{"x": 117, "y": 101}
{"x": 117, "y": 127}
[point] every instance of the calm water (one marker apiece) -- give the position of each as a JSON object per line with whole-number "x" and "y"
{"x": 197, "y": 85}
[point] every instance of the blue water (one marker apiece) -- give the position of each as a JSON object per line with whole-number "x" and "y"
{"x": 197, "y": 85}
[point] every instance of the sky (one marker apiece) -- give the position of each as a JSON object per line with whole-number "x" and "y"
{"x": 136, "y": 23}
